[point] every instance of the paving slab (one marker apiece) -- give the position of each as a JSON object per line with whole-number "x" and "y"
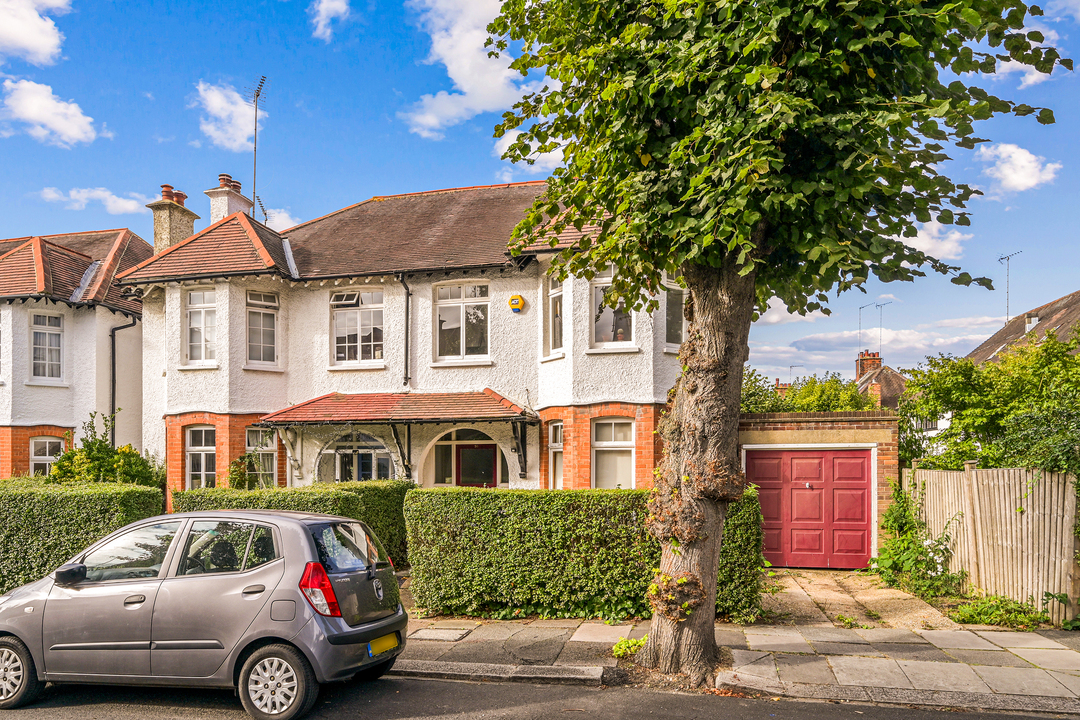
{"x": 953, "y": 677}
{"x": 980, "y": 701}
{"x": 868, "y": 672}
{"x": 827, "y": 648}
{"x": 556, "y": 623}
{"x": 731, "y": 638}
{"x": 1072, "y": 682}
{"x": 781, "y": 630}
{"x": 915, "y": 651}
{"x": 1021, "y": 640}
{"x": 831, "y": 635}
{"x": 537, "y": 646}
{"x": 824, "y": 590}
{"x": 1021, "y": 681}
{"x": 895, "y": 608}
{"x": 496, "y": 631}
{"x": 775, "y": 643}
{"x": 640, "y": 630}
{"x": 889, "y": 635}
{"x": 735, "y": 679}
{"x": 793, "y": 605}
{"x": 425, "y": 649}
{"x": 745, "y": 657}
{"x": 764, "y": 668}
{"x": 599, "y": 632}
{"x": 454, "y": 624}
{"x": 957, "y": 639}
{"x": 441, "y": 635}
{"x": 1050, "y": 659}
{"x": 582, "y": 654}
{"x": 826, "y": 692}
{"x": 1068, "y": 638}
{"x": 996, "y": 658}
{"x": 805, "y": 669}
{"x": 491, "y": 653}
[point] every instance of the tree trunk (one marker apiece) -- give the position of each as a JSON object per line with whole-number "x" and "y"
{"x": 700, "y": 471}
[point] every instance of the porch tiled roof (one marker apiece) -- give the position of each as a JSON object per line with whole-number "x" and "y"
{"x": 339, "y": 408}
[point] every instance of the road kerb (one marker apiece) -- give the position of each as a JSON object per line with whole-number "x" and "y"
{"x": 559, "y": 675}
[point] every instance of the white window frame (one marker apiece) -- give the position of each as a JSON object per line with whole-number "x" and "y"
{"x": 673, "y": 288}
{"x": 48, "y": 460}
{"x": 462, "y": 300}
{"x": 356, "y": 446}
{"x": 265, "y": 448}
{"x": 555, "y": 447}
{"x": 200, "y": 308}
{"x": 48, "y": 330}
{"x": 502, "y": 468}
{"x": 202, "y": 451}
{"x": 363, "y": 307}
{"x": 603, "y": 279}
{"x": 263, "y": 303}
{"x": 602, "y": 445}
{"x": 556, "y": 321}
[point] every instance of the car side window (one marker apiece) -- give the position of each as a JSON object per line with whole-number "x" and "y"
{"x": 262, "y": 548}
{"x": 215, "y": 547}
{"x": 135, "y": 554}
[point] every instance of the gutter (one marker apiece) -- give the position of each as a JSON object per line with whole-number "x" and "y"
{"x": 112, "y": 377}
{"x": 408, "y": 327}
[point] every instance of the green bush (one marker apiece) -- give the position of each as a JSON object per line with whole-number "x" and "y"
{"x": 376, "y": 502}
{"x": 740, "y": 580}
{"x": 1001, "y": 611}
{"x": 43, "y": 523}
{"x": 96, "y": 460}
{"x": 573, "y": 553}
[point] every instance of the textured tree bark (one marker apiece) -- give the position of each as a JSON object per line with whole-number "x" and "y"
{"x": 700, "y": 471}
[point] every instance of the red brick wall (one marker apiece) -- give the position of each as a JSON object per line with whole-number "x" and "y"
{"x": 15, "y": 446}
{"x": 577, "y": 441}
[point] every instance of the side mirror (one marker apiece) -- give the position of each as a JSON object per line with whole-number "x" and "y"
{"x": 70, "y": 574}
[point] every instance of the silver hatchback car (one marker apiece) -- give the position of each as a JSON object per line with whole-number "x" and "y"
{"x": 270, "y": 603}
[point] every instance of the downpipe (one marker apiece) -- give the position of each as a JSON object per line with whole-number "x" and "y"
{"x": 112, "y": 377}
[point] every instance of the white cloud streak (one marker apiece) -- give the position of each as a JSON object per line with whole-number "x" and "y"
{"x": 938, "y": 241}
{"x": 45, "y": 117}
{"x": 79, "y": 198}
{"x": 228, "y": 120}
{"x": 27, "y": 34}
{"x": 1015, "y": 168}
{"x": 324, "y": 13}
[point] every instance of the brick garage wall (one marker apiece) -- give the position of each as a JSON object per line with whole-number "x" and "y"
{"x": 15, "y": 446}
{"x": 577, "y": 441}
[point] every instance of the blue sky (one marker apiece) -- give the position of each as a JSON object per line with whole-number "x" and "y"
{"x": 102, "y": 102}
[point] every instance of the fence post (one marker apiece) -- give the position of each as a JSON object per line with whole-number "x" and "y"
{"x": 971, "y": 523}
{"x": 1071, "y": 511}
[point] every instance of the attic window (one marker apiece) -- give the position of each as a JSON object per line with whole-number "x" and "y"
{"x": 1030, "y": 322}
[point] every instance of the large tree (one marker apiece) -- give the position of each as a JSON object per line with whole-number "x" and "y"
{"x": 773, "y": 148}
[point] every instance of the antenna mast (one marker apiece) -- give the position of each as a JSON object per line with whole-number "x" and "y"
{"x": 266, "y": 218}
{"x": 879, "y": 322}
{"x": 254, "y": 96}
{"x": 789, "y": 369}
{"x": 1005, "y": 259}
{"x": 860, "y": 325}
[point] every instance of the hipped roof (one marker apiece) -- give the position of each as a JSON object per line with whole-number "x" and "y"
{"x": 404, "y": 408}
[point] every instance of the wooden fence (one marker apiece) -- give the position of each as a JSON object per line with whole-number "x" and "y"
{"x": 1012, "y": 530}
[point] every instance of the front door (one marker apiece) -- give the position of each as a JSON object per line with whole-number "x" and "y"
{"x": 477, "y": 465}
{"x": 101, "y": 626}
{"x": 815, "y": 506}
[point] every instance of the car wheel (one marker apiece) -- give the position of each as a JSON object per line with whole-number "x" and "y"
{"x": 19, "y": 684}
{"x": 277, "y": 683}
{"x": 375, "y": 671}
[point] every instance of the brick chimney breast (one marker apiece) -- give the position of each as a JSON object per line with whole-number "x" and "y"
{"x": 867, "y": 362}
{"x": 172, "y": 221}
{"x": 226, "y": 199}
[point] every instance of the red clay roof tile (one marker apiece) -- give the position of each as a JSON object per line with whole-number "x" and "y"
{"x": 338, "y": 408}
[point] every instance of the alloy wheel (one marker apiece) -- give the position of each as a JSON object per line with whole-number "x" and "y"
{"x": 11, "y": 673}
{"x": 272, "y": 686}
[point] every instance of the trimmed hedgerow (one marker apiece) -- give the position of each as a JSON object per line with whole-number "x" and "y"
{"x": 739, "y": 583}
{"x": 576, "y": 553}
{"x": 377, "y": 502}
{"x": 43, "y": 524}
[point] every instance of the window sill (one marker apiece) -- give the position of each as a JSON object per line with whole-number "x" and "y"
{"x": 367, "y": 365}
{"x": 46, "y": 383}
{"x": 613, "y": 350}
{"x": 462, "y": 363}
{"x": 185, "y": 368}
{"x": 553, "y": 356}
{"x": 264, "y": 368}
{"x": 672, "y": 349}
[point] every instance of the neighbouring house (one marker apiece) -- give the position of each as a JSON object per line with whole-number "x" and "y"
{"x": 70, "y": 343}
{"x": 877, "y": 379}
{"x": 393, "y": 338}
{"x": 1061, "y": 316}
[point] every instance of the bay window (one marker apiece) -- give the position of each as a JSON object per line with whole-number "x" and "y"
{"x": 262, "y": 312}
{"x": 201, "y": 457}
{"x": 461, "y": 317}
{"x": 610, "y": 325}
{"x": 262, "y": 450}
{"x": 555, "y": 456}
{"x": 201, "y": 326}
{"x": 613, "y": 453}
{"x": 555, "y": 314}
{"x": 43, "y": 453}
{"x": 48, "y": 346}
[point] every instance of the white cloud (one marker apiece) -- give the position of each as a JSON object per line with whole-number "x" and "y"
{"x": 937, "y": 241}
{"x": 458, "y": 30}
{"x": 1064, "y": 7}
{"x": 544, "y": 162}
{"x": 79, "y": 198}
{"x": 323, "y": 13}
{"x": 887, "y": 296}
{"x": 26, "y": 33}
{"x": 228, "y": 119}
{"x": 277, "y": 219}
{"x": 46, "y": 117}
{"x": 778, "y": 314}
{"x": 1015, "y": 168}
{"x": 964, "y": 322}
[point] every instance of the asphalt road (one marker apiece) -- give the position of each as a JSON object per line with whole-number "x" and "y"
{"x": 410, "y": 699}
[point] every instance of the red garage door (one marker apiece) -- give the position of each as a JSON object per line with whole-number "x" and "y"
{"x": 815, "y": 504}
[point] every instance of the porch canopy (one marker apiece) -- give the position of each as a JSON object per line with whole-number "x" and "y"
{"x": 402, "y": 409}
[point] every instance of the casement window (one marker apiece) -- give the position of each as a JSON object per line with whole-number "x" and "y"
{"x": 358, "y": 325}
{"x": 612, "y": 326}
{"x": 555, "y": 456}
{"x": 356, "y": 456}
{"x": 613, "y": 453}
{"x": 555, "y": 314}
{"x": 675, "y": 325}
{"x": 201, "y": 326}
{"x": 461, "y": 318}
{"x": 262, "y": 323}
{"x": 201, "y": 457}
{"x": 47, "y": 339}
{"x": 43, "y": 453}
{"x": 262, "y": 448}
{"x": 469, "y": 458}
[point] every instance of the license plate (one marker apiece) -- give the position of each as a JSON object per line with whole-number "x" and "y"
{"x": 381, "y": 645}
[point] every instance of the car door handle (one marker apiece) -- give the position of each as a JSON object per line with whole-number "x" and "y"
{"x": 135, "y": 600}
{"x": 254, "y": 589}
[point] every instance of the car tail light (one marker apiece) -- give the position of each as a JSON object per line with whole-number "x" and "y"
{"x": 391, "y": 562}
{"x": 319, "y": 592}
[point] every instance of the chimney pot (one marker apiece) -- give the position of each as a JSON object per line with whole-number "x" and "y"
{"x": 224, "y": 180}
{"x": 166, "y": 192}
{"x": 179, "y": 198}
{"x": 235, "y": 185}
{"x": 226, "y": 199}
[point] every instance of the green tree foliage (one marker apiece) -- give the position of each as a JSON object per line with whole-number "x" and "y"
{"x": 830, "y": 393}
{"x": 779, "y": 148}
{"x": 96, "y": 460}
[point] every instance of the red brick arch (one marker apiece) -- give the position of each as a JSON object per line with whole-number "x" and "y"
{"x": 15, "y": 446}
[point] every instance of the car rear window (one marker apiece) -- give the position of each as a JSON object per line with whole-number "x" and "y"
{"x": 346, "y": 547}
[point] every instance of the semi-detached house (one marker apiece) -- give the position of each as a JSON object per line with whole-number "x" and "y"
{"x": 392, "y": 338}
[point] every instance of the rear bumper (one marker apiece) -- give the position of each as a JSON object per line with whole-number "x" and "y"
{"x": 337, "y": 651}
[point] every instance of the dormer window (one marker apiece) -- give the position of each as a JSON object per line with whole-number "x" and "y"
{"x": 358, "y": 325}
{"x": 1031, "y": 320}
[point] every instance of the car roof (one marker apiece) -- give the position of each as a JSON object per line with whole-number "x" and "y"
{"x": 257, "y": 515}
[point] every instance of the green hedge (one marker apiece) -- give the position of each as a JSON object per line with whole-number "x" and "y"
{"x": 43, "y": 524}
{"x": 558, "y": 554}
{"x": 739, "y": 580}
{"x": 377, "y": 502}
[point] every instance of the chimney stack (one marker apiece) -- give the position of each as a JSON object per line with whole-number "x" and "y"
{"x": 172, "y": 221}
{"x": 227, "y": 199}
{"x": 867, "y": 362}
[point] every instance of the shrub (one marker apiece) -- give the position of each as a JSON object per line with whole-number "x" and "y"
{"x": 571, "y": 553}
{"x": 740, "y": 579}
{"x": 44, "y": 523}
{"x": 376, "y": 502}
{"x": 1002, "y": 611}
{"x": 96, "y": 460}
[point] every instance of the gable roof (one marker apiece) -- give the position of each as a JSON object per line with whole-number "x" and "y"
{"x": 1061, "y": 315}
{"x": 891, "y": 382}
{"x": 75, "y": 268}
{"x": 339, "y": 408}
